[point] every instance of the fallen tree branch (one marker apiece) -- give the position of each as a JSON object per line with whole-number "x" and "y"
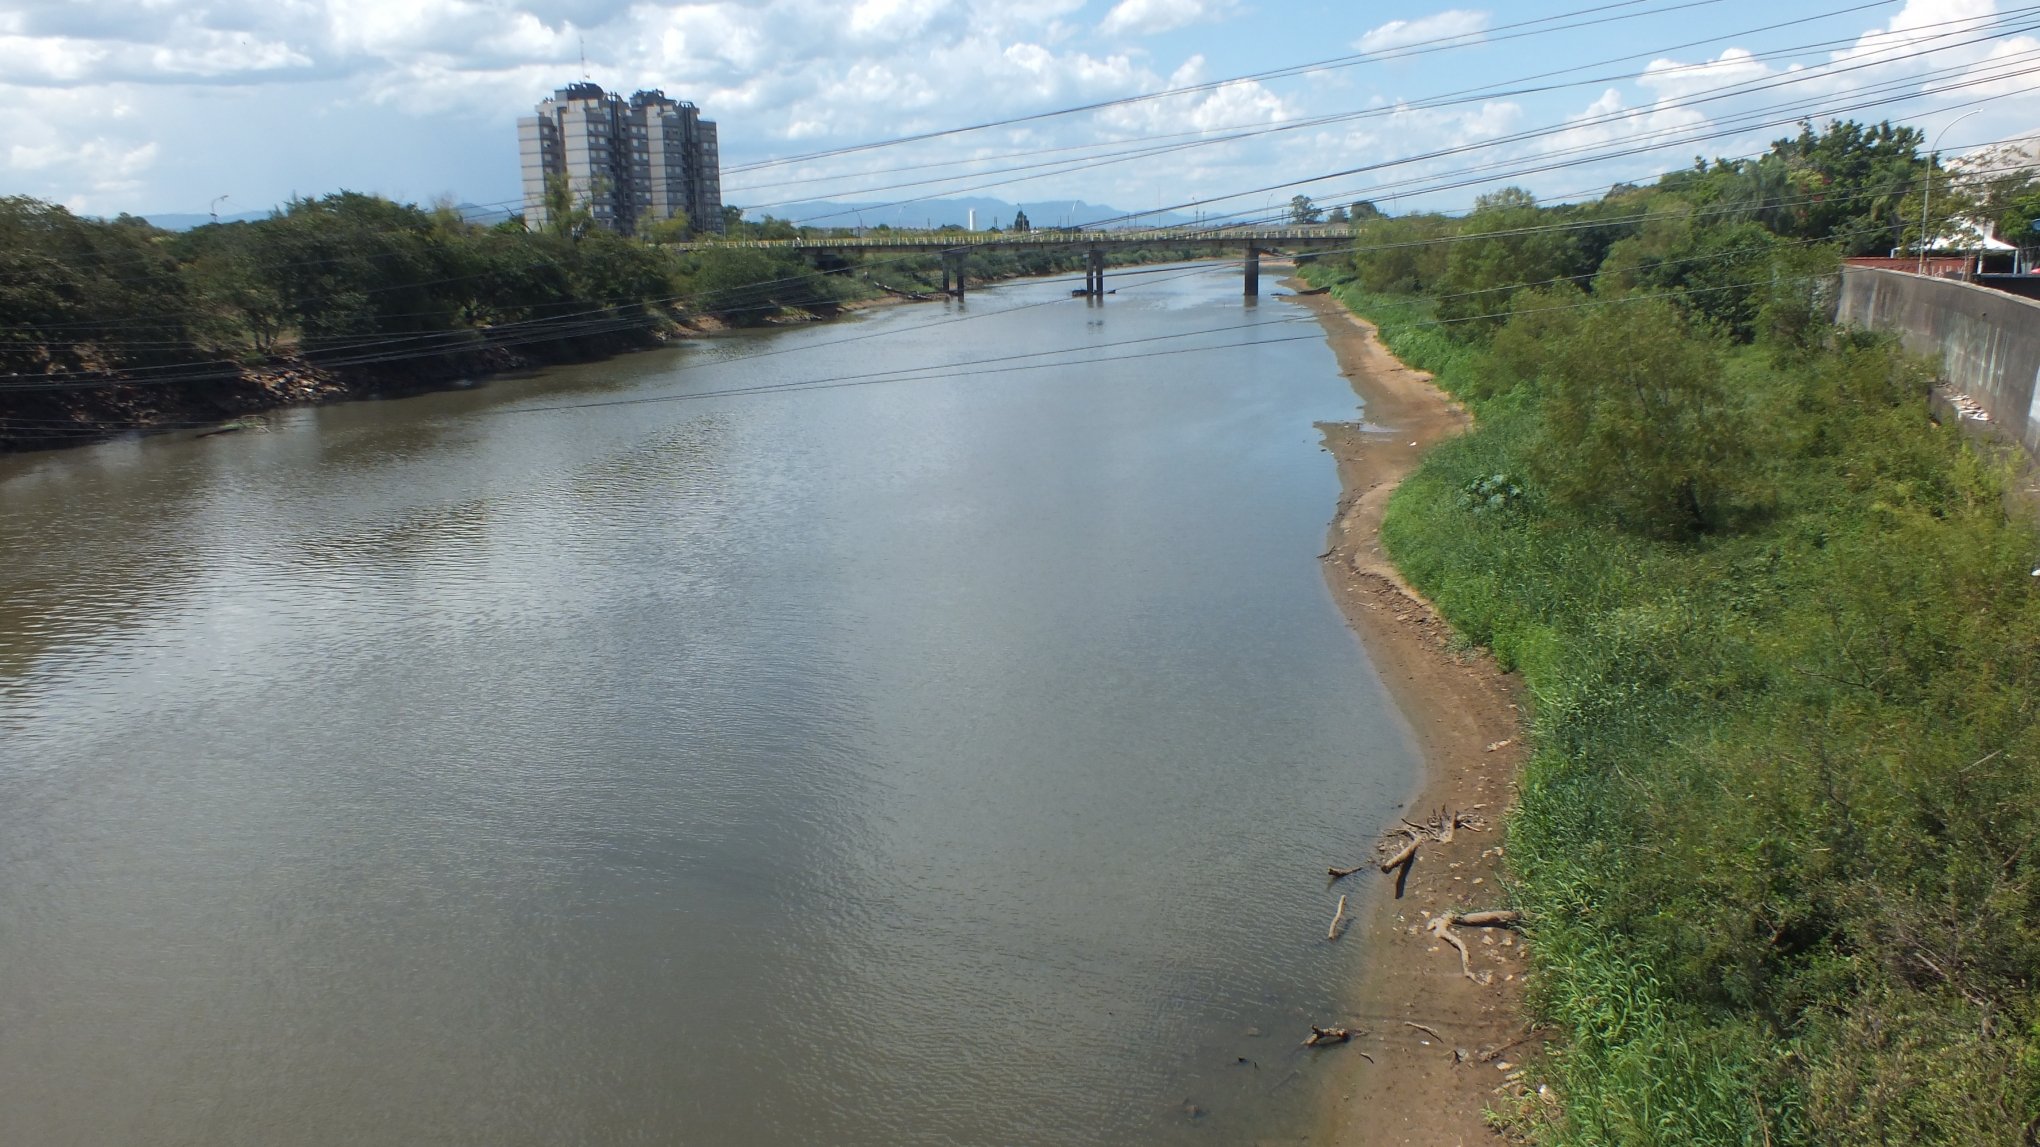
{"x": 1488, "y": 918}
{"x": 1407, "y": 854}
{"x": 1431, "y": 1031}
{"x": 1321, "y": 1036}
{"x": 1488, "y": 1055}
{"x": 1442, "y": 824}
{"x": 1343, "y": 873}
{"x": 1332, "y": 933}
{"x": 1441, "y": 927}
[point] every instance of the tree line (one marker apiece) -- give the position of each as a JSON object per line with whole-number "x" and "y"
{"x": 340, "y": 275}
{"x": 110, "y": 321}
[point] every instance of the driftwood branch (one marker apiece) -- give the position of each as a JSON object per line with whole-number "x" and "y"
{"x": 1403, "y": 856}
{"x": 1321, "y": 1036}
{"x": 1431, "y": 1031}
{"x": 1440, "y": 826}
{"x": 1342, "y": 873}
{"x": 1488, "y": 918}
{"x": 1441, "y": 927}
{"x": 1332, "y": 933}
{"x": 1489, "y": 1054}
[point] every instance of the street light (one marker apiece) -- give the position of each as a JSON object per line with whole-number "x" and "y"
{"x": 1927, "y": 193}
{"x": 214, "y": 206}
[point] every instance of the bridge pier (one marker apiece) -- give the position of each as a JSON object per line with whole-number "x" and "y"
{"x": 1094, "y": 273}
{"x": 952, "y": 273}
{"x": 1253, "y": 283}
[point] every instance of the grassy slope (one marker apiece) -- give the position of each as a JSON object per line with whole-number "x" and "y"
{"x": 1775, "y": 836}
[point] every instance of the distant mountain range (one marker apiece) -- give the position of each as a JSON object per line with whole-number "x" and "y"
{"x": 185, "y": 222}
{"x": 943, "y": 212}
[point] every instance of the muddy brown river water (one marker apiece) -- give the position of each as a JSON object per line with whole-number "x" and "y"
{"x": 949, "y": 753}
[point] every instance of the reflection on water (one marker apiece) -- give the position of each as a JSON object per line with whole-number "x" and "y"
{"x": 935, "y": 761}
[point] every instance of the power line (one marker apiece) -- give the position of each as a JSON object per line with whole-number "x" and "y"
{"x": 462, "y": 339}
{"x": 1422, "y": 47}
{"x": 1463, "y": 95}
{"x": 2000, "y": 18}
{"x": 602, "y": 319}
{"x": 1704, "y": 96}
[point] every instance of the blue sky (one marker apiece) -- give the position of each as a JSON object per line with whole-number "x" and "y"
{"x": 163, "y": 105}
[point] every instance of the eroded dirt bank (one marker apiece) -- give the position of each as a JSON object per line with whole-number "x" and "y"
{"x": 1443, "y": 1046}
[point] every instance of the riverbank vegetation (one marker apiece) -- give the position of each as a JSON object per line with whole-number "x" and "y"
{"x": 1780, "y": 630}
{"x": 117, "y": 323}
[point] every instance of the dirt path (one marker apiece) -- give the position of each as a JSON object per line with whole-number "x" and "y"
{"x": 1417, "y": 1089}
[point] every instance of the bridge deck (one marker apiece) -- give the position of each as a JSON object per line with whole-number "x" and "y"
{"x": 963, "y": 240}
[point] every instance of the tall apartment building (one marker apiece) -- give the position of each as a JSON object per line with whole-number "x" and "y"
{"x": 629, "y": 162}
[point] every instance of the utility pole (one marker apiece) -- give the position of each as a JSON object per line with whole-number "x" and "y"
{"x": 1927, "y": 193}
{"x": 215, "y": 207}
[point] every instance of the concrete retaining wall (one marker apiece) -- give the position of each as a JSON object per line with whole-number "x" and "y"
{"x": 1988, "y": 342}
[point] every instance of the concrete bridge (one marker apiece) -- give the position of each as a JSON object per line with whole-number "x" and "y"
{"x": 954, "y": 246}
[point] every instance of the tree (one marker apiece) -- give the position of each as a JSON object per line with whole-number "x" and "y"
{"x": 1363, "y": 210}
{"x": 608, "y": 268}
{"x": 1636, "y": 421}
{"x": 1507, "y": 199}
{"x": 1503, "y": 249}
{"x": 563, "y": 216}
{"x": 673, "y": 229}
{"x": 1338, "y": 215}
{"x": 1850, "y": 183}
{"x": 225, "y": 267}
{"x": 71, "y": 289}
{"x": 1302, "y": 210}
{"x": 1020, "y": 222}
{"x": 1400, "y": 254}
{"x": 353, "y": 266}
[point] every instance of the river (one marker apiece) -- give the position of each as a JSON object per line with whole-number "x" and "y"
{"x": 927, "y": 728}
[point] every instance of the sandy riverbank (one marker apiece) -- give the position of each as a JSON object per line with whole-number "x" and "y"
{"x": 1417, "y": 1089}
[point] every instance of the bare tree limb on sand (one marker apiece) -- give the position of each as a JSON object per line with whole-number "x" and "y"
{"x": 1441, "y": 927}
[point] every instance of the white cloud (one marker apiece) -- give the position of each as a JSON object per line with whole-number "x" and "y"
{"x": 894, "y": 19}
{"x": 163, "y": 104}
{"x": 76, "y": 147}
{"x": 1451, "y": 23}
{"x": 1670, "y": 80}
{"x": 1150, "y": 17}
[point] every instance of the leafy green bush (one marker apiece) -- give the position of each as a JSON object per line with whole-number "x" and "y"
{"x": 1777, "y": 839}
